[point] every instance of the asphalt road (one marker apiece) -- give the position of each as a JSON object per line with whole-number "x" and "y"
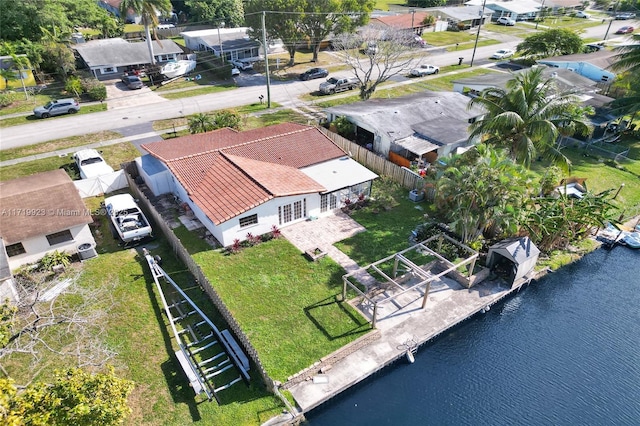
{"x": 285, "y": 93}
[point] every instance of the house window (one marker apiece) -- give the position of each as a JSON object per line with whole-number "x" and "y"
{"x": 248, "y": 220}
{"x": 108, "y": 70}
{"x": 329, "y": 201}
{"x": 15, "y": 249}
{"x": 294, "y": 211}
{"x": 300, "y": 209}
{"x": 59, "y": 237}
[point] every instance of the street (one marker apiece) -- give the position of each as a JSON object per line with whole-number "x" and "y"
{"x": 285, "y": 93}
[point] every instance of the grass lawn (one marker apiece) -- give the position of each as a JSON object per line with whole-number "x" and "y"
{"x": 26, "y": 119}
{"x": 57, "y": 144}
{"x": 114, "y": 155}
{"x": 470, "y": 44}
{"x": 195, "y": 92}
{"x": 384, "y": 4}
{"x": 446, "y": 38}
{"x": 285, "y": 303}
{"x": 567, "y": 22}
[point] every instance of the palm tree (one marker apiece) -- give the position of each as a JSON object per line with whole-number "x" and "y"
{"x": 528, "y": 116}
{"x": 628, "y": 58}
{"x": 7, "y": 75}
{"x": 201, "y": 123}
{"x": 21, "y": 64}
{"x": 148, "y": 10}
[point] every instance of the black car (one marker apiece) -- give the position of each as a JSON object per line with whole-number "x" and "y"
{"x": 314, "y": 73}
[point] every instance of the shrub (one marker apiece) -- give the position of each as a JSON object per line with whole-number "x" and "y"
{"x": 7, "y": 98}
{"x": 275, "y": 232}
{"x": 94, "y": 89}
{"x": 53, "y": 259}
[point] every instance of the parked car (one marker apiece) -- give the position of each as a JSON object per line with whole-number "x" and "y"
{"x": 128, "y": 222}
{"x": 314, "y": 73}
{"x": 241, "y": 65}
{"x": 625, "y": 30}
{"x": 59, "y": 107}
{"x": 582, "y": 14}
{"x": 425, "y": 70}
{"x": 504, "y": 20}
{"x": 235, "y": 72}
{"x": 91, "y": 164}
{"x": 132, "y": 82}
{"x": 594, "y": 47}
{"x": 502, "y": 54}
{"x": 338, "y": 84}
{"x": 625, "y": 16}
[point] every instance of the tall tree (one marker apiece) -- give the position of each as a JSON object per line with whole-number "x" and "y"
{"x": 231, "y": 12}
{"x": 281, "y": 22}
{"x": 148, "y": 11}
{"x": 553, "y": 42}
{"x": 324, "y": 17}
{"x": 528, "y": 116}
{"x": 375, "y": 55}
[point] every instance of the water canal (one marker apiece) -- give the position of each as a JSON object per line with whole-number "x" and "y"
{"x": 564, "y": 350}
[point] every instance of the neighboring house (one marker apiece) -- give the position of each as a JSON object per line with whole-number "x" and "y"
{"x": 247, "y": 182}
{"x": 113, "y": 7}
{"x": 467, "y": 17}
{"x": 565, "y": 80}
{"x": 109, "y": 58}
{"x": 520, "y": 10}
{"x": 567, "y": 5}
{"x": 423, "y": 126}
{"x": 7, "y": 284}
{"x": 232, "y": 43}
{"x": 6, "y": 62}
{"x": 42, "y": 213}
{"x": 407, "y": 21}
{"x": 594, "y": 66}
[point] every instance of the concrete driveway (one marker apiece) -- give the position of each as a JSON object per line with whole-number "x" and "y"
{"x": 119, "y": 96}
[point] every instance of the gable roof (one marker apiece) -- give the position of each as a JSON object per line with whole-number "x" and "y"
{"x": 402, "y": 21}
{"x": 119, "y": 52}
{"x": 602, "y": 59}
{"x": 421, "y": 113}
{"x": 226, "y": 172}
{"x": 39, "y": 202}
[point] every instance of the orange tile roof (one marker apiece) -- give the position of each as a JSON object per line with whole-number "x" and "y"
{"x": 226, "y": 172}
{"x": 40, "y": 204}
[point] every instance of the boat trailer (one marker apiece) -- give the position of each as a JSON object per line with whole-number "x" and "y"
{"x": 211, "y": 359}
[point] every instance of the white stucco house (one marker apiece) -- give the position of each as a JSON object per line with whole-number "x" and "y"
{"x": 42, "y": 213}
{"x": 108, "y": 58}
{"x": 520, "y": 10}
{"x": 594, "y": 66}
{"x": 421, "y": 126}
{"x": 238, "y": 183}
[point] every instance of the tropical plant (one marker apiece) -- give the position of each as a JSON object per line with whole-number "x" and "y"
{"x": 229, "y": 12}
{"x": 200, "y": 123}
{"x": 227, "y": 118}
{"x": 528, "y": 116}
{"x": 7, "y": 75}
{"x": 148, "y": 11}
{"x": 74, "y": 85}
{"x": 53, "y": 259}
{"x": 481, "y": 192}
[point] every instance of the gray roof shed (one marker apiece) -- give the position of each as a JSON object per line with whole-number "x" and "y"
{"x": 521, "y": 252}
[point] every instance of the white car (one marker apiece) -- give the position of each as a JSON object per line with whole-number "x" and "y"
{"x": 504, "y": 20}
{"x": 241, "y": 65}
{"x": 91, "y": 164}
{"x": 502, "y": 54}
{"x": 582, "y": 14}
{"x": 235, "y": 72}
{"x": 425, "y": 70}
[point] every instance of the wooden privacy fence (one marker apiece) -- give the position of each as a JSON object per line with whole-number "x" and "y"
{"x": 376, "y": 163}
{"x": 182, "y": 254}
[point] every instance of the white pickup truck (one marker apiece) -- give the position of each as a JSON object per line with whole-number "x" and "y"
{"x": 338, "y": 84}
{"x": 129, "y": 223}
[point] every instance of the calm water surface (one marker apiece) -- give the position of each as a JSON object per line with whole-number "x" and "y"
{"x": 563, "y": 351}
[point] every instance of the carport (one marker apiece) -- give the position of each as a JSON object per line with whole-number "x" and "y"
{"x": 514, "y": 258}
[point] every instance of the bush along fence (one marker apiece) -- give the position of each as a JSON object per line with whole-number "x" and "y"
{"x": 181, "y": 253}
{"x": 376, "y": 163}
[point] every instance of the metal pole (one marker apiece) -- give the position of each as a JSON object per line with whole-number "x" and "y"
{"x": 266, "y": 60}
{"x": 615, "y": 9}
{"x": 542, "y": 11}
{"x": 220, "y": 43}
{"x": 475, "y": 45}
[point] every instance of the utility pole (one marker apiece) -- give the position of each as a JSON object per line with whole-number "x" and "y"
{"x": 615, "y": 10}
{"x": 220, "y": 24}
{"x": 475, "y": 45}
{"x": 266, "y": 60}
{"x": 542, "y": 13}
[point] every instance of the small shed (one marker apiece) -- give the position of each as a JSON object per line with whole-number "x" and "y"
{"x": 515, "y": 256}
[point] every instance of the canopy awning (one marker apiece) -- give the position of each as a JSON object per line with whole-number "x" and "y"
{"x": 416, "y": 145}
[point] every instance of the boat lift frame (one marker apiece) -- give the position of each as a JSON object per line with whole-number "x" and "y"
{"x": 200, "y": 374}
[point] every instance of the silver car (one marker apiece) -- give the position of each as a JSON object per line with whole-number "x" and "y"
{"x": 59, "y": 107}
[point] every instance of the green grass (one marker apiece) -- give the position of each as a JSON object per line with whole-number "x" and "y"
{"x": 196, "y": 92}
{"x": 384, "y": 4}
{"x": 285, "y": 303}
{"x": 446, "y": 38}
{"x": 57, "y": 144}
{"x": 114, "y": 155}
{"x": 471, "y": 44}
{"x": 276, "y": 117}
